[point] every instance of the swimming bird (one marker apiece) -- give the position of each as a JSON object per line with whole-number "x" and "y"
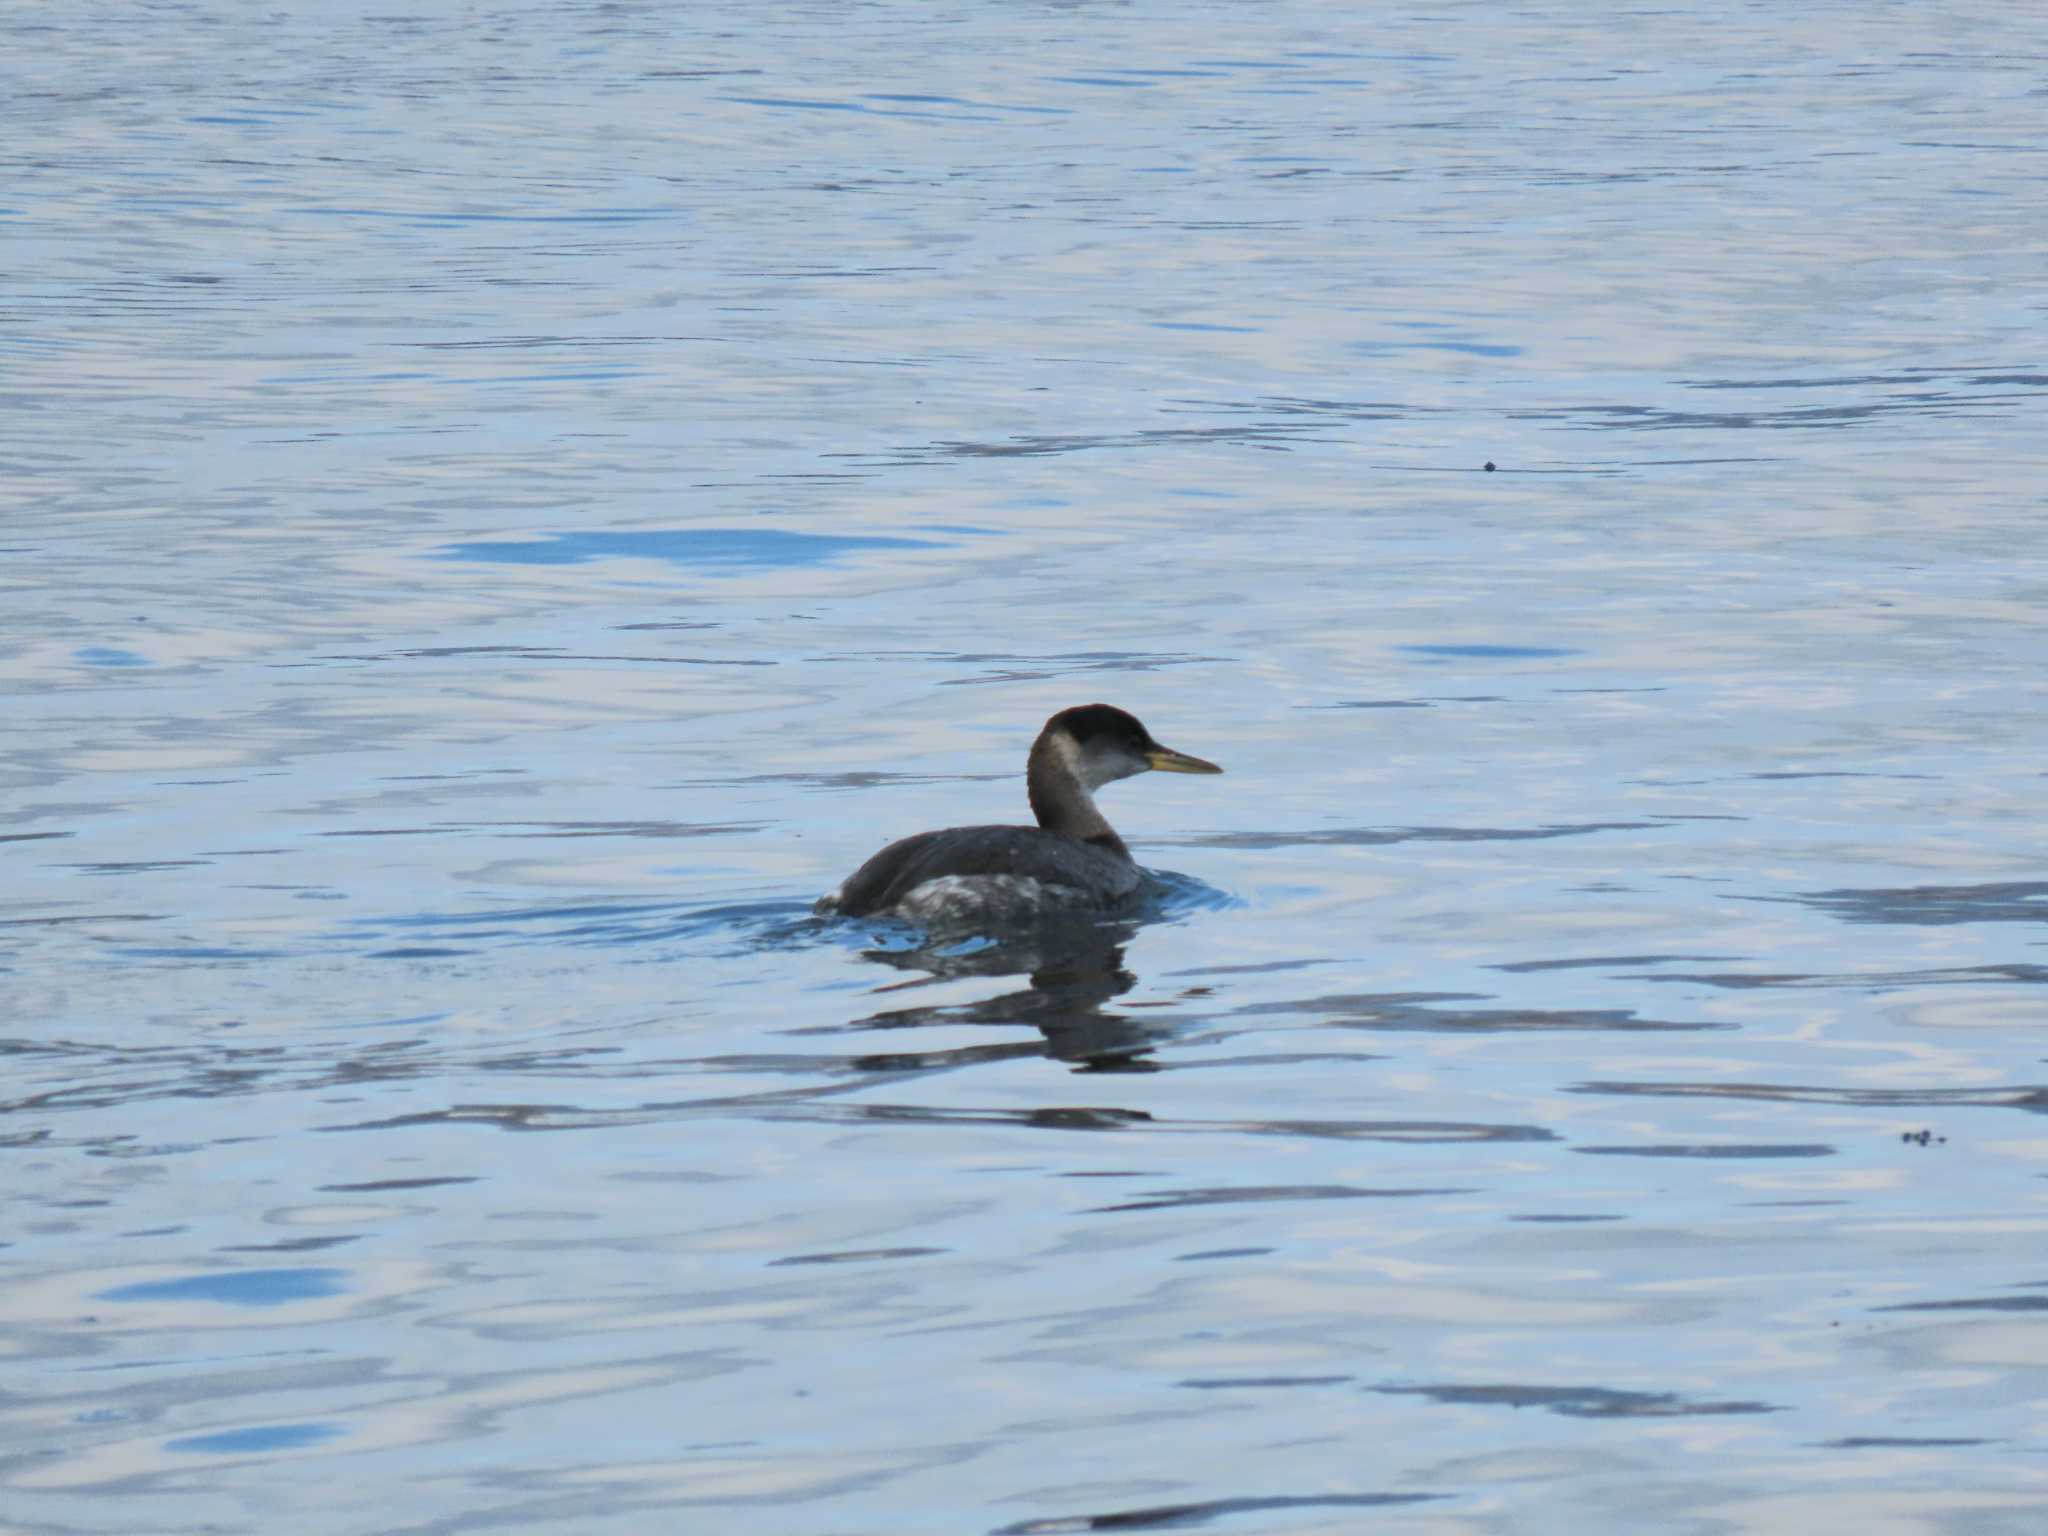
{"x": 1072, "y": 860}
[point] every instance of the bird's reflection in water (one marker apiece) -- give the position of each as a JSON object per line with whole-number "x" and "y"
{"x": 1071, "y": 971}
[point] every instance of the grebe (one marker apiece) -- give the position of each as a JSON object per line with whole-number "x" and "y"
{"x": 1072, "y": 860}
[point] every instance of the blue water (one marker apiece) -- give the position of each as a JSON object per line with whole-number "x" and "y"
{"x": 502, "y": 509}
{"x": 236, "y": 1288}
{"x": 693, "y": 548}
{"x": 258, "y": 1439}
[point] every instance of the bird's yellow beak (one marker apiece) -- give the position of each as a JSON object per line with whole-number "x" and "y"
{"x": 1166, "y": 760}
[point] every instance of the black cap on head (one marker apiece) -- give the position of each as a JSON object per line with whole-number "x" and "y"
{"x": 1102, "y": 722}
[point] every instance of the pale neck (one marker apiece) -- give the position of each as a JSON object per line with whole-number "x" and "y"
{"x": 1059, "y": 799}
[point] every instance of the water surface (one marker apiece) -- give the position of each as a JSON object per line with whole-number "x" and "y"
{"x": 503, "y": 508}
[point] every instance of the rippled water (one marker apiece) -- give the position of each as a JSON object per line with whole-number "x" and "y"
{"x": 506, "y": 505}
